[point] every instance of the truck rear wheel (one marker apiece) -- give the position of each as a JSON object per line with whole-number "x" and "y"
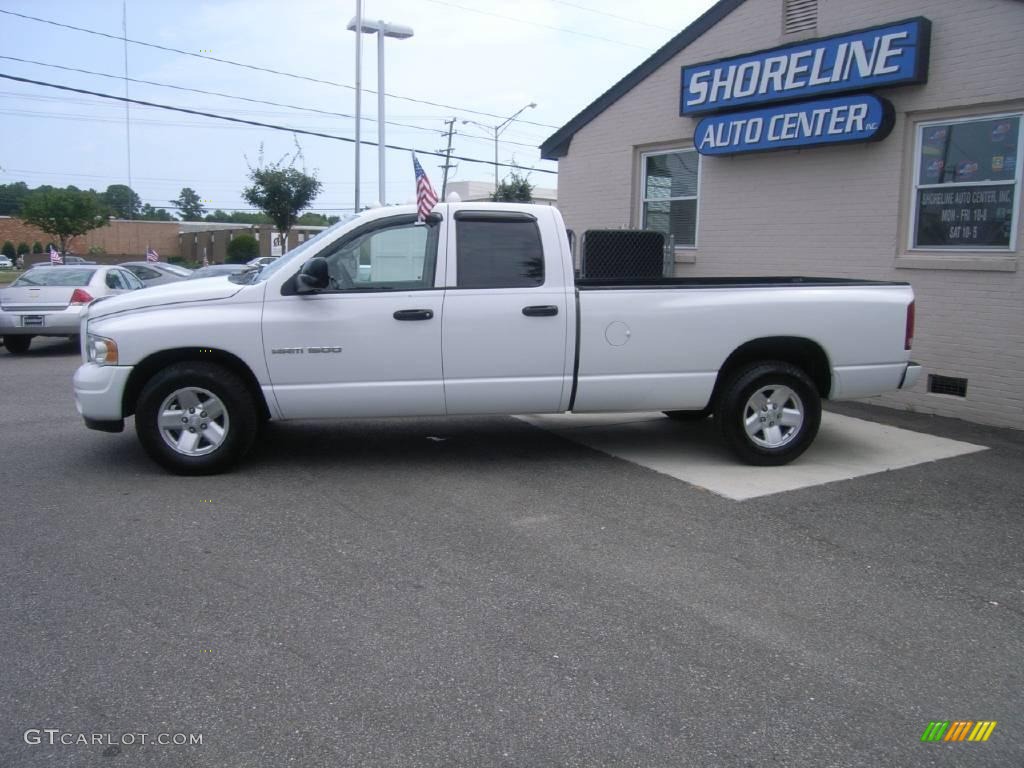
{"x": 768, "y": 413}
{"x": 196, "y": 418}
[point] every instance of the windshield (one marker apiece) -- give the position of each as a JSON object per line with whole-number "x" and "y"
{"x": 300, "y": 252}
{"x": 174, "y": 269}
{"x": 54, "y": 276}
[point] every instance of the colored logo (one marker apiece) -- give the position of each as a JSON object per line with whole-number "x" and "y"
{"x": 936, "y": 135}
{"x": 958, "y": 730}
{"x": 934, "y": 169}
{"x": 966, "y": 169}
{"x": 997, "y": 162}
{"x": 1001, "y": 130}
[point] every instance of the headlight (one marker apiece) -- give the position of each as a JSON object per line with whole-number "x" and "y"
{"x": 101, "y": 350}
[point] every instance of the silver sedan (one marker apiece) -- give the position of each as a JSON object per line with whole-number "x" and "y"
{"x": 48, "y": 301}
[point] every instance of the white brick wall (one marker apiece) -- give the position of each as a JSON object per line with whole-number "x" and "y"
{"x": 837, "y": 211}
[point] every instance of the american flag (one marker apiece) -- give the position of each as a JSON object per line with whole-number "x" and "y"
{"x": 55, "y": 257}
{"x": 152, "y": 255}
{"x": 426, "y": 197}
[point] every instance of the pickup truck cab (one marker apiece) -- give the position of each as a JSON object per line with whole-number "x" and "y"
{"x": 477, "y": 310}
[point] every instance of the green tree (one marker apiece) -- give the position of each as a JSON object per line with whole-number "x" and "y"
{"x": 313, "y": 220}
{"x": 281, "y": 190}
{"x": 8, "y": 250}
{"x": 122, "y": 201}
{"x": 149, "y": 213}
{"x": 64, "y": 213}
{"x": 189, "y": 204}
{"x": 515, "y": 188}
{"x": 11, "y": 197}
{"x": 23, "y": 248}
{"x": 37, "y": 247}
{"x": 242, "y": 248}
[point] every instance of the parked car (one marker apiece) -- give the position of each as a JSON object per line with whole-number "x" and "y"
{"x": 262, "y": 261}
{"x": 157, "y": 272}
{"x": 6, "y": 263}
{"x": 476, "y": 311}
{"x": 215, "y": 270}
{"x": 49, "y": 301}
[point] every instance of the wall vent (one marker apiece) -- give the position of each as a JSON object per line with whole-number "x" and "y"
{"x": 947, "y": 385}
{"x": 799, "y": 16}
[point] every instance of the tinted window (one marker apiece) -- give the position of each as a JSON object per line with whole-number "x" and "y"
{"x": 55, "y": 276}
{"x": 144, "y": 272}
{"x": 114, "y": 281}
{"x": 499, "y": 254}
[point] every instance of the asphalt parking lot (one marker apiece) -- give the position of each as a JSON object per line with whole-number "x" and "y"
{"x": 483, "y": 592}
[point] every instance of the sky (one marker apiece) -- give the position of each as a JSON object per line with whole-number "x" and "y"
{"x": 469, "y": 56}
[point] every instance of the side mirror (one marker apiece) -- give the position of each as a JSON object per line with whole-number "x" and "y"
{"x": 313, "y": 276}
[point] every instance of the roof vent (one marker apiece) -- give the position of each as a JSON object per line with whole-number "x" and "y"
{"x": 799, "y": 16}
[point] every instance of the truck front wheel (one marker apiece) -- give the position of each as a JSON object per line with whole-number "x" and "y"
{"x": 768, "y": 413}
{"x": 196, "y": 418}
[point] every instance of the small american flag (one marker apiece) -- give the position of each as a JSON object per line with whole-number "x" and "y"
{"x": 426, "y": 197}
{"x": 152, "y": 255}
{"x": 55, "y": 257}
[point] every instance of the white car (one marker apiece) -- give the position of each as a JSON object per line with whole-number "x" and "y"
{"x": 49, "y": 301}
{"x": 477, "y": 311}
{"x": 262, "y": 261}
{"x": 6, "y": 263}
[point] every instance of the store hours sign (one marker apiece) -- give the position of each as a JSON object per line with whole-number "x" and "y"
{"x": 854, "y": 62}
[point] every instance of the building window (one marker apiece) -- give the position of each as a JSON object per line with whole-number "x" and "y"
{"x": 671, "y": 182}
{"x": 966, "y": 180}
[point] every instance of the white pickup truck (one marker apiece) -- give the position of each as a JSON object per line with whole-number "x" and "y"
{"x": 477, "y": 311}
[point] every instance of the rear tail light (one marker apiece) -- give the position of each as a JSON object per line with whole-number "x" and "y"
{"x": 908, "y": 339}
{"x": 80, "y": 296}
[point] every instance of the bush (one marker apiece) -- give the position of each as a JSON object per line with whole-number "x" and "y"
{"x": 37, "y": 247}
{"x": 97, "y": 250}
{"x": 23, "y": 249}
{"x": 8, "y": 249}
{"x": 242, "y": 248}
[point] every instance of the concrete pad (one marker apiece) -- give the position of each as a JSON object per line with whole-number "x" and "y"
{"x": 692, "y": 452}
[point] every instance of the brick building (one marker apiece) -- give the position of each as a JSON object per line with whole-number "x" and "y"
{"x": 120, "y": 240}
{"x": 924, "y": 188}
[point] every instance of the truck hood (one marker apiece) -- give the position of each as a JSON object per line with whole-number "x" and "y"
{"x": 182, "y": 292}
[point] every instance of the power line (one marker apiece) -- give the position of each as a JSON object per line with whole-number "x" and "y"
{"x": 614, "y": 16}
{"x": 229, "y": 95}
{"x": 257, "y": 123}
{"x": 538, "y": 24}
{"x": 258, "y": 68}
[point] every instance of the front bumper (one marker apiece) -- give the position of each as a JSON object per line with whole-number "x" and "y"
{"x": 63, "y": 322}
{"x": 99, "y": 392}
{"x": 911, "y": 374}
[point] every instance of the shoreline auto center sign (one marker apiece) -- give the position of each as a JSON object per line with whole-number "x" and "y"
{"x": 883, "y": 56}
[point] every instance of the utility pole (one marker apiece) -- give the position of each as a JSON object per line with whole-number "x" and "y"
{"x": 359, "y": 93}
{"x": 447, "y": 158}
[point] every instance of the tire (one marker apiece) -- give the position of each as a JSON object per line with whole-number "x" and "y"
{"x": 785, "y": 424}
{"x": 17, "y": 345}
{"x": 689, "y": 416}
{"x": 216, "y": 438}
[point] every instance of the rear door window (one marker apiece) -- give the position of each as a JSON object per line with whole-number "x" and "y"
{"x": 114, "y": 281}
{"x": 495, "y": 253}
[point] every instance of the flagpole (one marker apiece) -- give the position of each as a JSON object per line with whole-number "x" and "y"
{"x": 359, "y": 91}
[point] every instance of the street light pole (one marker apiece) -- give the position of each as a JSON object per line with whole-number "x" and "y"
{"x": 381, "y": 29}
{"x": 498, "y": 129}
{"x": 358, "y": 21}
